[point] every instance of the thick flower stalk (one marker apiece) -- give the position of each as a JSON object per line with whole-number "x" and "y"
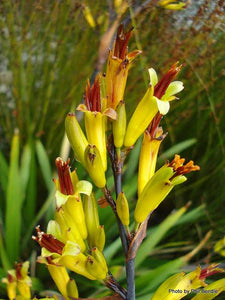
{"x": 160, "y": 185}
{"x": 118, "y": 64}
{"x": 156, "y": 99}
{"x": 18, "y": 282}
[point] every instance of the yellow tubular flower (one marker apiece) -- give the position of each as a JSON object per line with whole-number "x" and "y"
{"x": 18, "y": 279}
{"x": 23, "y": 280}
{"x": 153, "y": 137}
{"x": 92, "y": 218}
{"x": 155, "y": 99}
{"x": 69, "y": 228}
{"x": 144, "y": 113}
{"x": 77, "y": 264}
{"x": 94, "y": 166}
{"x": 159, "y": 186}
{"x": 98, "y": 255}
{"x": 179, "y": 285}
{"x": 118, "y": 64}
{"x": 68, "y": 194}
{"x": 72, "y": 290}
{"x": 10, "y": 282}
{"x": 95, "y": 268}
{"x": 62, "y": 279}
{"x": 122, "y": 209}
{"x": 211, "y": 291}
{"x": 119, "y": 125}
{"x": 76, "y": 137}
{"x": 100, "y": 238}
{"x": 68, "y": 254}
{"x": 95, "y": 118}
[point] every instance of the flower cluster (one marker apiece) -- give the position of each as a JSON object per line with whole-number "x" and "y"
{"x": 74, "y": 239}
{"x": 18, "y": 282}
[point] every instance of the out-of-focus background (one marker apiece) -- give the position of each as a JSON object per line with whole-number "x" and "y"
{"x": 48, "y": 49}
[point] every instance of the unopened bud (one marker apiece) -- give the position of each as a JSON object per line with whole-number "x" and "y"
{"x": 95, "y": 268}
{"x": 119, "y": 125}
{"x": 92, "y": 218}
{"x": 98, "y": 255}
{"x": 76, "y": 137}
{"x": 100, "y": 238}
{"x": 72, "y": 290}
{"x": 122, "y": 209}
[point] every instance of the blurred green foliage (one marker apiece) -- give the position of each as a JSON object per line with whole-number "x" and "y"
{"x": 48, "y": 50}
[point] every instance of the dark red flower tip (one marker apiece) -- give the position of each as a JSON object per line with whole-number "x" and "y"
{"x": 152, "y": 128}
{"x": 18, "y": 267}
{"x": 48, "y": 241}
{"x": 162, "y": 85}
{"x": 65, "y": 181}
{"x": 120, "y": 46}
{"x": 10, "y": 278}
{"x": 92, "y": 96}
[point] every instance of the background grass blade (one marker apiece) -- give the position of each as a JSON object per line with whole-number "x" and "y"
{"x": 25, "y": 169}
{"x": 4, "y": 172}
{"x": 13, "y": 203}
{"x": 44, "y": 164}
{"x": 155, "y": 237}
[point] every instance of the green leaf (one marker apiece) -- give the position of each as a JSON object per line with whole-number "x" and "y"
{"x": 3, "y": 256}
{"x": 112, "y": 249}
{"x": 133, "y": 160}
{"x": 25, "y": 169}
{"x": 13, "y": 203}
{"x": 192, "y": 215}
{"x": 149, "y": 281}
{"x": 156, "y": 236}
{"x": 44, "y": 165}
{"x": 176, "y": 149}
{"x": 4, "y": 172}
{"x": 31, "y": 192}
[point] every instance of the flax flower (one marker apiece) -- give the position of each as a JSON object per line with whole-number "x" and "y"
{"x": 156, "y": 99}
{"x": 95, "y": 118}
{"x": 118, "y": 64}
{"x": 152, "y": 140}
{"x": 18, "y": 282}
{"x": 179, "y": 285}
{"x": 159, "y": 186}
